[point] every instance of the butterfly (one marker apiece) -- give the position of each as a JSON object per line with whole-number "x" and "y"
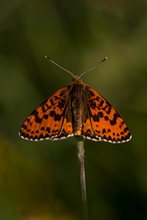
{"x": 75, "y": 110}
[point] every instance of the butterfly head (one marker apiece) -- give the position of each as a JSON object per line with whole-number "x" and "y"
{"x": 77, "y": 79}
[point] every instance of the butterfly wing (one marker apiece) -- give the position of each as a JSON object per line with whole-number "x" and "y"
{"x": 104, "y": 123}
{"x": 48, "y": 120}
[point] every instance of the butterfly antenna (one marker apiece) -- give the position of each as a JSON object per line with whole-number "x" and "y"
{"x": 59, "y": 66}
{"x": 93, "y": 67}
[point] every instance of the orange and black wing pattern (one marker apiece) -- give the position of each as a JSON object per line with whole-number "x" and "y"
{"x": 104, "y": 123}
{"x": 48, "y": 120}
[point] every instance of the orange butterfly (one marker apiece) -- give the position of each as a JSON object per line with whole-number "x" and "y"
{"x": 75, "y": 110}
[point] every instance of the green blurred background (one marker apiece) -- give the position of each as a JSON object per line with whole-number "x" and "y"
{"x": 40, "y": 180}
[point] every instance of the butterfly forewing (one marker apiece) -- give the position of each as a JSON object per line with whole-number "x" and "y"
{"x": 48, "y": 120}
{"x": 104, "y": 122}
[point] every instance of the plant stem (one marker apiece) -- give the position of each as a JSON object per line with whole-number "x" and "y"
{"x": 80, "y": 146}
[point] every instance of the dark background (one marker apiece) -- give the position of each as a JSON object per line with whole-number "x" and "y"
{"x": 40, "y": 180}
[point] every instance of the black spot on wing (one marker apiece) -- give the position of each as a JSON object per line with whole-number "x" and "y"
{"x": 97, "y": 117}
{"x": 114, "y": 120}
